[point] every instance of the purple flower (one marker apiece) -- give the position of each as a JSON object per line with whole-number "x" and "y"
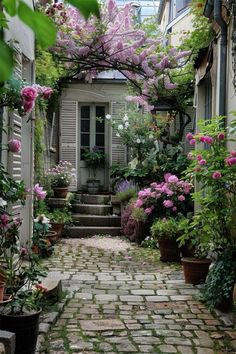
{"x": 216, "y": 175}
{"x": 192, "y": 142}
{"x": 202, "y": 162}
{"x": 173, "y": 179}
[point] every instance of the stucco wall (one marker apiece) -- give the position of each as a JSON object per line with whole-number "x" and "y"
{"x": 180, "y": 28}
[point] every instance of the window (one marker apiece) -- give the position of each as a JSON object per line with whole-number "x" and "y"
{"x": 176, "y": 7}
{"x": 85, "y": 130}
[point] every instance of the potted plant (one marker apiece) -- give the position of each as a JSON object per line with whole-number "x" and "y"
{"x": 43, "y": 237}
{"x": 60, "y": 178}
{"x": 94, "y": 160}
{"x": 166, "y": 231}
{"x": 20, "y": 315}
{"x": 58, "y": 218}
{"x": 125, "y": 191}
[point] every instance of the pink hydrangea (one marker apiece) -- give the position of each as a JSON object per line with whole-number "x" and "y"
{"x": 138, "y": 203}
{"x": 216, "y": 175}
{"x": 40, "y": 193}
{"x": 174, "y": 209}
{"x": 181, "y": 198}
{"x": 148, "y": 210}
{"x": 29, "y": 93}
{"x": 14, "y": 145}
{"x": 173, "y": 179}
{"x": 168, "y": 203}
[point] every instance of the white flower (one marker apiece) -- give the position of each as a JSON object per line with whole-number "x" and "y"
{"x": 108, "y": 117}
{"x": 118, "y": 135}
{"x": 120, "y": 127}
{"x": 138, "y": 141}
{"x": 125, "y": 118}
{"x": 151, "y": 136}
{"x": 2, "y": 202}
{"x": 42, "y": 219}
{"x": 126, "y": 124}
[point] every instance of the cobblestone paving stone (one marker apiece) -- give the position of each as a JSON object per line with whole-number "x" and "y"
{"x": 129, "y": 302}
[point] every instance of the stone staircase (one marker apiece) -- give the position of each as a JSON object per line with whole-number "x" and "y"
{"x": 95, "y": 215}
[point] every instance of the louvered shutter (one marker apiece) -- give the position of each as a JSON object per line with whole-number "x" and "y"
{"x": 118, "y": 153}
{"x": 15, "y": 160}
{"x": 69, "y": 136}
{"x": 187, "y": 129}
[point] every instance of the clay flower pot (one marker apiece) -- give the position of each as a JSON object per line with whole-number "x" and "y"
{"x": 60, "y": 192}
{"x": 57, "y": 227}
{"x": 169, "y": 250}
{"x": 52, "y": 237}
{"x": 195, "y": 270}
{"x": 2, "y": 288}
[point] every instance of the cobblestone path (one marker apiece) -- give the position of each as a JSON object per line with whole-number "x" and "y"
{"x": 128, "y": 302}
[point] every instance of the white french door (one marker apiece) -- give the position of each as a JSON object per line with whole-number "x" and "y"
{"x": 93, "y": 131}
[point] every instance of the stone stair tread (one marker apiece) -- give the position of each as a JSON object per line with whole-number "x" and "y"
{"x": 95, "y": 227}
{"x": 75, "y": 215}
{"x": 92, "y": 205}
{"x": 86, "y": 231}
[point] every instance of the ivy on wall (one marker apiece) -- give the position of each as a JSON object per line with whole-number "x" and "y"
{"x": 39, "y": 146}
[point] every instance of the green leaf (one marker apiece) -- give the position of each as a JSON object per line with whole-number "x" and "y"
{"x": 43, "y": 27}
{"x": 10, "y": 6}
{"x": 6, "y": 61}
{"x": 86, "y": 7}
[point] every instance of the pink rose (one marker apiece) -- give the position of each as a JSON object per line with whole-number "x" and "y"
{"x": 189, "y": 136}
{"x": 216, "y": 175}
{"x": 23, "y": 251}
{"x": 29, "y": 93}
{"x": 230, "y": 161}
{"x": 208, "y": 140}
{"x": 148, "y": 211}
{"x": 168, "y": 203}
{"x": 40, "y": 194}
{"x": 47, "y": 92}
{"x": 199, "y": 157}
{"x": 202, "y": 162}
{"x": 28, "y": 106}
{"x": 221, "y": 136}
{"x": 173, "y": 179}
{"x": 4, "y": 219}
{"x": 174, "y": 209}
{"x": 181, "y": 198}
{"x": 192, "y": 142}
{"x": 233, "y": 153}
{"x": 14, "y": 145}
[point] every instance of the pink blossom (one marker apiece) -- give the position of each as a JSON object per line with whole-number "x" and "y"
{"x": 170, "y": 86}
{"x": 230, "y": 161}
{"x": 166, "y": 176}
{"x": 173, "y": 179}
{"x": 202, "y": 139}
{"x": 192, "y": 142}
{"x": 40, "y": 194}
{"x": 23, "y": 251}
{"x": 202, "y": 162}
{"x": 29, "y": 93}
{"x": 28, "y": 106}
{"x": 233, "y": 153}
{"x": 148, "y": 211}
{"x": 181, "y": 198}
{"x": 138, "y": 203}
{"x": 189, "y": 136}
{"x": 221, "y": 136}
{"x": 199, "y": 157}
{"x": 174, "y": 209}
{"x": 14, "y": 145}
{"x": 47, "y": 92}
{"x": 208, "y": 139}
{"x": 4, "y": 219}
{"x": 216, "y": 175}
{"x": 168, "y": 203}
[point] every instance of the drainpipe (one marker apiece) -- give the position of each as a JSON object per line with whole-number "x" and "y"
{"x": 223, "y": 56}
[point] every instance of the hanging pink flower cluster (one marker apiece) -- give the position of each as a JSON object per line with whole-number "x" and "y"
{"x": 114, "y": 42}
{"x": 29, "y": 94}
{"x": 169, "y": 196}
{"x": 39, "y": 192}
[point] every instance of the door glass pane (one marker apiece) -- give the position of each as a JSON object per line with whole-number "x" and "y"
{"x": 100, "y": 112}
{"x": 100, "y": 126}
{"x": 100, "y": 139}
{"x": 85, "y": 125}
{"x": 85, "y": 112}
{"x": 85, "y": 139}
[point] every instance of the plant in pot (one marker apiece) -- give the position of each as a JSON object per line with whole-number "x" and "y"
{"x": 94, "y": 160}
{"x": 125, "y": 191}
{"x": 59, "y": 218}
{"x": 43, "y": 238}
{"x": 60, "y": 178}
{"x": 20, "y": 315}
{"x": 166, "y": 231}
{"x": 214, "y": 168}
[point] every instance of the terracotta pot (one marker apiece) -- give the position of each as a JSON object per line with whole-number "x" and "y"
{"x": 60, "y": 192}
{"x": 195, "y": 270}
{"x": 187, "y": 251}
{"x": 2, "y": 275}
{"x": 2, "y": 288}
{"x": 35, "y": 249}
{"x": 57, "y": 227}
{"x": 52, "y": 237}
{"x": 169, "y": 250}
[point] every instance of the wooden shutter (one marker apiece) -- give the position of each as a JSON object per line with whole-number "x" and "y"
{"x": 69, "y": 136}
{"x": 118, "y": 153}
{"x": 15, "y": 160}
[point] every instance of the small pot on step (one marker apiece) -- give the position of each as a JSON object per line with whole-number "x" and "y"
{"x": 60, "y": 192}
{"x": 93, "y": 186}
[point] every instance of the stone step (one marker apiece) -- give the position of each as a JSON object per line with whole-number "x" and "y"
{"x": 96, "y": 220}
{"x": 92, "y": 199}
{"x": 85, "y": 231}
{"x": 92, "y": 209}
